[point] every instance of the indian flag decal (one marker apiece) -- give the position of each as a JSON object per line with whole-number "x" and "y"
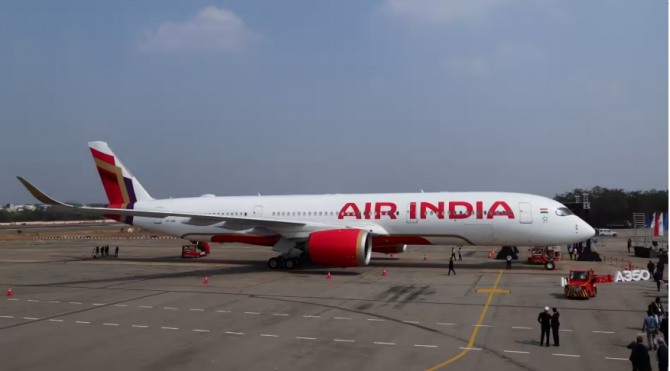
{"x": 544, "y": 210}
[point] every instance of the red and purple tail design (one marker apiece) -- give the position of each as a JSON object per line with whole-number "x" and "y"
{"x": 122, "y": 188}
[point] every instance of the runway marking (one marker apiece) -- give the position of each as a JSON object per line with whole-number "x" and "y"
{"x": 120, "y": 305}
{"x": 251, "y": 313}
{"x": 33, "y": 301}
{"x": 55, "y": 320}
{"x": 226, "y": 311}
{"x": 603, "y": 332}
{"x": 75, "y": 302}
{"x": 280, "y": 314}
{"x": 566, "y": 330}
{"x": 482, "y": 325}
{"x": 54, "y": 301}
{"x": 376, "y": 319}
{"x": 471, "y": 342}
{"x": 110, "y": 324}
{"x": 312, "y": 316}
{"x": 467, "y": 348}
{"x": 344, "y": 340}
{"x": 304, "y": 338}
{"x": 13, "y": 299}
{"x": 31, "y": 318}
{"x": 425, "y": 346}
{"x": 199, "y": 330}
{"x": 566, "y": 355}
{"x": 169, "y": 328}
{"x": 97, "y": 304}
{"x": 345, "y": 318}
{"x": 6, "y": 316}
{"x": 445, "y": 323}
{"x": 82, "y": 322}
{"x": 521, "y": 328}
{"x": 616, "y": 359}
{"x": 145, "y": 306}
{"x": 169, "y": 308}
{"x": 412, "y": 322}
{"x": 382, "y": 343}
{"x": 515, "y": 351}
{"x": 270, "y": 335}
{"x": 140, "y": 326}
{"x": 234, "y": 333}
{"x": 197, "y": 309}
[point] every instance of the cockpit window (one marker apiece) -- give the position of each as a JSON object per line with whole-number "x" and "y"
{"x": 563, "y": 211}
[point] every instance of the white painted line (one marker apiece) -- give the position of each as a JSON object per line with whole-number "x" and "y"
{"x": 120, "y": 305}
{"x": 110, "y": 324}
{"x": 140, "y": 326}
{"x": 169, "y": 308}
{"x": 345, "y": 318}
{"x": 199, "y": 330}
{"x": 54, "y": 301}
{"x": 412, "y": 322}
{"x": 97, "y": 304}
{"x": 603, "y": 332}
{"x": 382, "y": 343}
{"x": 376, "y": 319}
{"x": 234, "y": 333}
{"x": 31, "y": 318}
{"x": 425, "y": 346}
{"x": 515, "y": 351}
{"x": 344, "y": 340}
{"x": 145, "y": 306}
{"x": 75, "y": 302}
{"x": 170, "y": 328}
{"x": 566, "y": 355}
{"x": 616, "y": 359}
{"x": 33, "y": 301}
{"x": 312, "y": 316}
{"x": 226, "y": 311}
{"x": 445, "y": 324}
{"x": 251, "y": 313}
{"x": 6, "y": 316}
{"x": 279, "y": 314}
{"x": 482, "y": 326}
{"x": 521, "y": 328}
{"x": 464, "y": 348}
{"x": 13, "y": 299}
{"x": 55, "y": 320}
{"x": 83, "y": 322}
{"x": 304, "y": 338}
{"x": 566, "y": 330}
{"x": 270, "y": 335}
{"x": 197, "y": 309}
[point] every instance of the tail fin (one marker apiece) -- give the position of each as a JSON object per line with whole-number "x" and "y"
{"x": 121, "y": 186}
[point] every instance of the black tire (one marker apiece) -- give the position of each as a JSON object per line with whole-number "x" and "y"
{"x": 273, "y": 263}
{"x": 614, "y": 235}
{"x": 289, "y": 264}
{"x": 550, "y": 266}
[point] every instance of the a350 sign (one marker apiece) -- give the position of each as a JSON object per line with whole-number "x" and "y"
{"x": 634, "y": 275}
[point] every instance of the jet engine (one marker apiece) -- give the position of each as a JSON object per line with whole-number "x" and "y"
{"x": 340, "y": 247}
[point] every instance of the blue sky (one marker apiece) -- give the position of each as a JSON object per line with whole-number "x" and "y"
{"x": 240, "y": 97}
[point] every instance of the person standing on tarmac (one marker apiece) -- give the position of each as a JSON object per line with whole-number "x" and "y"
{"x": 116, "y": 252}
{"x": 460, "y": 258}
{"x": 545, "y": 323}
{"x": 662, "y": 355}
{"x": 639, "y": 355}
{"x": 453, "y": 253}
{"x": 630, "y": 244}
{"x": 555, "y": 324}
{"x": 451, "y": 267}
{"x": 508, "y": 264}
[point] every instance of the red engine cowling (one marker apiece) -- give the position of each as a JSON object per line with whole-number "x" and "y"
{"x": 340, "y": 247}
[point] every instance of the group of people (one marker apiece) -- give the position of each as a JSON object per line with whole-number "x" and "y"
{"x": 103, "y": 251}
{"x": 453, "y": 258}
{"x": 655, "y": 326}
{"x": 656, "y": 271}
{"x": 549, "y": 321}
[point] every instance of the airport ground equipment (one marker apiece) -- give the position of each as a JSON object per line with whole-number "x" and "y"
{"x": 582, "y": 284}
{"x": 195, "y": 250}
{"x": 545, "y": 255}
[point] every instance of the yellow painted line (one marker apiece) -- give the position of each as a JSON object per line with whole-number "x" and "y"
{"x": 475, "y": 331}
{"x": 494, "y": 291}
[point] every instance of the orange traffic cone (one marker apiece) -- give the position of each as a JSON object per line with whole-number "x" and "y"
{"x": 206, "y": 281}
{"x": 384, "y": 273}
{"x": 9, "y": 292}
{"x": 328, "y": 276}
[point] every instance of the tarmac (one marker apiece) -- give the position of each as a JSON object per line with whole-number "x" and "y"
{"x": 151, "y": 310}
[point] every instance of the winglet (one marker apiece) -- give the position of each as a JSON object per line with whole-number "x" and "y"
{"x": 41, "y": 196}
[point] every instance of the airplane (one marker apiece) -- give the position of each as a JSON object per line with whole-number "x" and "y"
{"x": 333, "y": 229}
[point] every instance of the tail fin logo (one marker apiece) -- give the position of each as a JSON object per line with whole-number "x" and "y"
{"x": 119, "y": 189}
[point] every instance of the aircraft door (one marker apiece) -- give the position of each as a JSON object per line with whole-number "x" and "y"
{"x": 411, "y": 212}
{"x": 525, "y": 214}
{"x": 258, "y": 211}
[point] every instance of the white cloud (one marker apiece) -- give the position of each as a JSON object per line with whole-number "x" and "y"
{"x": 441, "y": 11}
{"x": 212, "y": 29}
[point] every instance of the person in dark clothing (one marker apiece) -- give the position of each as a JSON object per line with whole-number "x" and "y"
{"x": 639, "y": 355}
{"x": 460, "y": 258}
{"x": 555, "y": 324}
{"x": 662, "y": 355}
{"x": 658, "y": 278}
{"x": 664, "y": 327}
{"x": 660, "y": 266}
{"x": 508, "y": 263}
{"x": 545, "y": 323}
{"x": 630, "y": 244}
{"x": 451, "y": 267}
{"x": 453, "y": 253}
{"x": 116, "y": 252}
{"x": 650, "y": 267}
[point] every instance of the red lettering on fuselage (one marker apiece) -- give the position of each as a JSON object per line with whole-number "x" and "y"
{"x": 506, "y": 210}
{"x": 457, "y": 210}
{"x": 459, "y": 214}
{"x": 390, "y": 210}
{"x": 438, "y": 210}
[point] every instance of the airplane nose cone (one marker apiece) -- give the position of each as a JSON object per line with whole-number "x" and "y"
{"x": 586, "y": 231}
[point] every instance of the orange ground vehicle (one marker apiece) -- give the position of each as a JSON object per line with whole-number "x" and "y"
{"x": 195, "y": 250}
{"x": 545, "y": 255}
{"x": 583, "y": 284}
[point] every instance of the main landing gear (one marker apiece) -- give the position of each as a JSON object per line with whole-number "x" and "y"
{"x": 285, "y": 263}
